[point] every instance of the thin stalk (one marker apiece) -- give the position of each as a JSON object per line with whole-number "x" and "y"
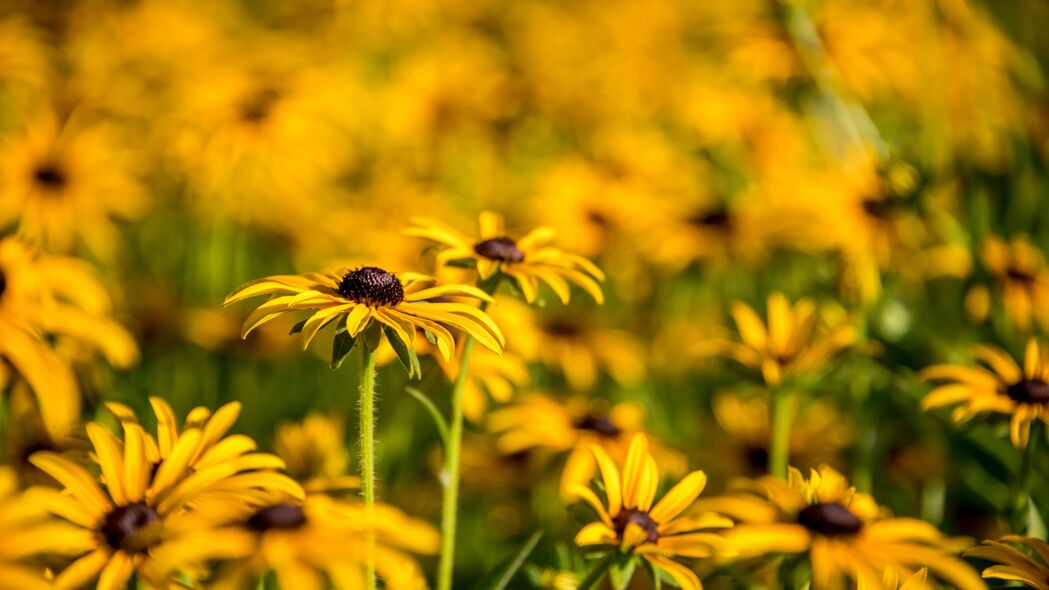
{"x": 595, "y": 575}
{"x": 367, "y": 427}
{"x": 450, "y": 507}
{"x": 779, "y": 445}
{"x": 1021, "y": 489}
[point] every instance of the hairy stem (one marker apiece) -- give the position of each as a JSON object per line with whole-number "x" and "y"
{"x": 367, "y": 426}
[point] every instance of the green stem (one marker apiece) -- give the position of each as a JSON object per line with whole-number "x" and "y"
{"x": 599, "y": 571}
{"x": 1021, "y": 492}
{"x": 779, "y": 445}
{"x": 367, "y": 426}
{"x": 450, "y": 507}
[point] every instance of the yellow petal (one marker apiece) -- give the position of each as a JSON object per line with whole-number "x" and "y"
{"x": 680, "y": 497}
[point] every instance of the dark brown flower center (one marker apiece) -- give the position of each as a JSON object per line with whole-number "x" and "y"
{"x": 3, "y": 283}
{"x": 1029, "y": 391}
{"x": 757, "y": 459}
{"x": 502, "y": 249}
{"x": 599, "y": 424}
{"x": 259, "y": 106}
{"x": 1019, "y": 275}
{"x": 278, "y": 516}
{"x": 830, "y": 519}
{"x": 639, "y": 518}
{"x": 372, "y": 286}
{"x": 716, "y": 219}
{"x": 563, "y": 328}
{"x": 131, "y": 528}
{"x": 50, "y": 177}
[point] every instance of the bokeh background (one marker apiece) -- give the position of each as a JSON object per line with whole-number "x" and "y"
{"x": 867, "y": 154}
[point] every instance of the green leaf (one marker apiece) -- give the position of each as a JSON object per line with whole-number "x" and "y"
{"x": 500, "y": 576}
{"x": 438, "y": 419}
{"x": 430, "y": 337}
{"x": 404, "y": 352}
{"x": 622, "y": 572}
{"x": 373, "y": 335}
{"x": 298, "y": 327}
{"x": 341, "y": 346}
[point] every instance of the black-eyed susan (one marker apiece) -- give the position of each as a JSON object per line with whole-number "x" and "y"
{"x": 1019, "y": 268}
{"x": 26, "y": 532}
{"x": 314, "y": 453}
{"x": 844, "y": 533}
{"x": 1016, "y": 559}
{"x": 42, "y": 295}
{"x": 526, "y": 260}
{"x": 818, "y": 435}
{"x": 793, "y": 342}
{"x": 1000, "y": 388}
{"x": 68, "y": 182}
{"x": 309, "y": 544}
{"x": 490, "y": 375}
{"x": 634, "y": 523}
{"x": 359, "y": 298}
{"x": 142, "y": 503}
{"x": 540, "y": 422}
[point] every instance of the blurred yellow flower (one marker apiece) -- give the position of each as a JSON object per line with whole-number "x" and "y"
{"x": 1023, "y": 279}
{"x": 314, "y": 453}
{"x": 656, "y": 533}
{"x": 844, "y": 533}
{"x": 1005, "y": 388}
{"x": 526, "y": 260}
{"x": 1017, "y": 559}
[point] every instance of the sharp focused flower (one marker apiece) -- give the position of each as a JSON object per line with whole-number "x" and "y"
{"x": 526, "y": 260}
{"x": 843, "y": 532}
{"x": 48, "y": 295}
{"x": 1023, "y": 279}
{"x": 310, "y": 544}
{"x": 635, "y": 523}
{"x": 148, "y": 486}
{"x": 1017, "y": 559}
{"x": 791, "y": 344}
{"x": 314, "y": 452}
{"x": 540, "y": 422}
{"x": 368, "y": 295}
{"x": 1004, "y": 388}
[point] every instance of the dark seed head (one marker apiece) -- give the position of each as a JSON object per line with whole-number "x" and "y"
{"x": 49, "y": 176}
{"x": 1019, "y": 275}
{"x": 830, "y": 519}
{"x": 501, "y": 249}
{"x": 1029, "y": 391}
{"x": 128, "y": 527}
{"x": 599, "y": 424}
{"x": 716, "y": 219}
{"x": 372, "y": 286}
{"x": 3, "y": 283}
{"x": 259, "y": 106}
{"x": 278, "y": 516}
{"x": 757, "y": 459}
{"x": 639, "y": 518}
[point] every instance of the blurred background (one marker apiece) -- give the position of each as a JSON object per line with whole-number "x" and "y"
{"x": 886, "y": 158}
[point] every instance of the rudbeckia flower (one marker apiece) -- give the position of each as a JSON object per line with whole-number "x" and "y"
{"x": 314, "y": 453}
{"x": 144, "y": 500}
{"x": 1003, "y": 388}
{"x": 309, "y": 544}
{"x": 1031, "y": 567}
{"x": 1023, "y": 279}
{"x": 540, "y": 422}
{"x": 526, "y": 260}
{"x": 844, "y": 533}
{"x": 636, "y": 524}
{"x": 791, "y": 344}
{"x": 366, "y": 296}
{"x": 43, "y": 295}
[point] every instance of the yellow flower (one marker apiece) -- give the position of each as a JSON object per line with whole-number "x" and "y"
{"x": 312, "y": 544}
{"x": 26, "y": 531}
{"x": 149, "y": 485}
{"x": 541, "y": 422}
{"x": 314, "y": 452}
{"x": 490, "y": 375}
{"x": 1004, "y": 388}
{"x": 1014, "y": 564}
{"x": 818, "y": 433}
{"x": 55, "y": 296}
{"x": 843, "y": 532}
{"x": 792, "y": 344}
{"x": 526, "y": 260}
{"x": 572, "y": 342}
{"x": 656, "y": 533}
{"x": 369, "y": 295}
{"x": 67, "y": 181}
{"x": 1023, "y": 279}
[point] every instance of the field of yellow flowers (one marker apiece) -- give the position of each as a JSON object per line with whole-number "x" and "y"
{"x": 530, "y": 294}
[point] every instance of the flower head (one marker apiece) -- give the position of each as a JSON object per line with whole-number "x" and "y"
{"x": 526, "y": 260}
{"x": 1023, "y": 278}
{"x": 1003, "y": 388}
{"x": 844, "y": 533}
{"x": 635, "y": 523}
{"x": 314, "y": 452}
{"x": 1014, "y": 563}
{"x": 357, "y": 299}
